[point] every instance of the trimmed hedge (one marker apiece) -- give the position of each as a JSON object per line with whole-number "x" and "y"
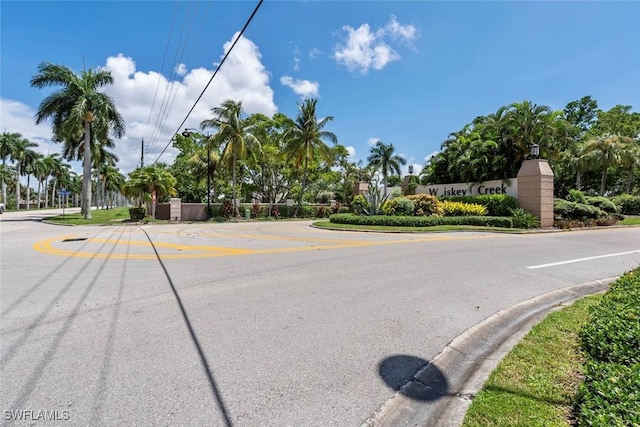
{"x": 564, "y": 209}
{"x": 602, "y": 203}
{"x": 610, "y": 394}
{"x": 421, "y": 221}
{"x": 627, "y": 204}
{"x": 497, "y": 204}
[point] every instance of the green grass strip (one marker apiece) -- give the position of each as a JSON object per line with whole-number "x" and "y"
{"x": 536, "y": 383}
{"x": 98, "y": 217}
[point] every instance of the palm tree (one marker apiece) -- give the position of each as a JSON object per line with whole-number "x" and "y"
{"x": 305, "y": 140}
{"x": 77, "y": 110}
{"x": 30, "y": 167}
{"x": 41, "y": 171}
{"x": 608, "y": 154}
{"x": 234, "y": 134}
{"x": 630, "y": 160}
{"x": 8, "y": 142}
{"x": 144, "y": 181}
{"x": 383, "y": 157}
{"x": 21, "y": 151}
{"x": 59, "y": 172}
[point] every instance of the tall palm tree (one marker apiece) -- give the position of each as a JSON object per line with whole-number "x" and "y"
{"x": 21, "y": 151}
{"x": 59, "y": 173}
{"x": 78, "y": 109}
{"x": 235, "y": 135}
{"x": 31, "y": 166}
{"x": 305, "y": 140}
{"x": 630, "y": 160}
{"x": 8, "y": 143}
{"x": 41, "y": 171}
{"x": 382, "y": 156}
{"x": 608, "y": 154}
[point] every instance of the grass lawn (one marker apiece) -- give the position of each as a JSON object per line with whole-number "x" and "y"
{"x": 630, "y": 220}
{"x": 536, "y": 382}
{"x": 102, "y": 216}
{"x": 328, "y": 224}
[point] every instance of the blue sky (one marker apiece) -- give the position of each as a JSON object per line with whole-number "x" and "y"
{"x": 407, "y": 73}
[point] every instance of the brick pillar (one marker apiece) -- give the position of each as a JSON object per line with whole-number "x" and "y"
{"x": 361, "y": 188}
{"x": 535, "y": 190}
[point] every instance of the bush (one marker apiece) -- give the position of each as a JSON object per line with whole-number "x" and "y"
{"x": 627, "y": 204}
{"x": 610, "y": 394}
{"x": 564, "y": 209}
{"x": 424, "y": 204}
{"x": 398, "y": 206}
{"x": 137, "y": 214}
{"x": 452, "y": 208}
{"x": 602, "y": 203}
{"x": 523, "y": 219}
{"x": 497, "y": 204}
{"x": 576, "y": 196}
{"x": 227, "y": 209}
{"x": 421, "y": 221}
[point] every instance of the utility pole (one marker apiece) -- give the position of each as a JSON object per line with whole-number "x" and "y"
{"x": 142, "y": 155}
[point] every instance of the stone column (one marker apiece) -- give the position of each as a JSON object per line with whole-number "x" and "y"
{"x": 361, "y": 188}
{"x": 535, "y": 190}
{"x": 175, "y": 209}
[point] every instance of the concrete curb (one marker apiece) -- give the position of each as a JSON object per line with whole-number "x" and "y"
{"x": 468, "y": 360}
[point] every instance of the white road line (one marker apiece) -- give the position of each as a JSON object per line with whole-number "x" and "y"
{"x": 552, "y": 264}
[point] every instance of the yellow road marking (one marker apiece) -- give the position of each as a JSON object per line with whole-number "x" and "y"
{"x": 204, "y": 251}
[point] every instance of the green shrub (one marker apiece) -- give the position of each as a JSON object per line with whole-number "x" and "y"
{"x": 576, "y": 196}
{"x": 424, "y": 204}
{"x": 398, "y": 206}
{"x": 602, "y": 203}
{"x": 564, "y": 209}
{"x": 452, "y": 208}
{"x": 524, "y": 219}
{"x": 610, "y": 393}
{"x": 627, "y": 204}
{"x": 421, "y": 221}
{"x": 496, "y": 204}
{"x": 613, "y": 335}
{"x": 137, "y": 214}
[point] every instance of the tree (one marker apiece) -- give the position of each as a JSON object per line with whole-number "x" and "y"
{"x": 608, "y": 154}
{"x": 21, "y": 154}
{"x": 382, "y": 156}
{"x": 305, "y": 140}
{"x": 144, "y": 181}
{"x": 8, "y": 142}
{"x": 77, "y": 110}
{"x": 235, "y": 135}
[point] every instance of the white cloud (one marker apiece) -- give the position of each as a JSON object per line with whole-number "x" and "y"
{"x": 428, "y": 158}
{"x": 181, "y": 70}
{"x": 365, "y": 49}
{"x": 351, "y": 150}
{"x": 372, "y": 141}
{"x": 243, "y": 77}
{"x": 304, "y": 88}
{"x": 296, "y": 64}
{"x": 314, "y": 53}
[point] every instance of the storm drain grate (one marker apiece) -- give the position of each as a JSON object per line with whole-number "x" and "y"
{"x": 77, "y": 239}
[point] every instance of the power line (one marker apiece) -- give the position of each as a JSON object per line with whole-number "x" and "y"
{"x": 212, "y": 77}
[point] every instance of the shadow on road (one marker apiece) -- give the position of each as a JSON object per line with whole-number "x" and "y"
{"x": 203, "y": 358}
{"x": 414, "y": 377}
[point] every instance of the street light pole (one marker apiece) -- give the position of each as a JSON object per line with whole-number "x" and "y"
{"x": 187, "y": 134}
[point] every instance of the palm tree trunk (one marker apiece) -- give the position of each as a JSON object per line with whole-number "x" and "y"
{"x": 233, "y": 195}
{"x": 4, "y": 184}
{"x": 629, "y": 180}
{"x": 384, "y": 178}
{"x": 28, "y": 191}
{"x": 39, "y": 193}
{"x": 578, "y": 180}
{"x": 18, "y": 186}
{"x": 46, "y": 193}
{"x": 603, "y": 181}
{"x": 86, "y": 172}
{"x": 302, "y": 187}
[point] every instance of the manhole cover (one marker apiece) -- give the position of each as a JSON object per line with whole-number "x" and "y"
{"x": 76, "y": 239}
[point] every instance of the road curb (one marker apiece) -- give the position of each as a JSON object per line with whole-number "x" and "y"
{"x": 467, "y": 361}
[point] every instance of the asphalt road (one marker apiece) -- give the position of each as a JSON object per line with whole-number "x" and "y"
{"x": 254, "y": 324}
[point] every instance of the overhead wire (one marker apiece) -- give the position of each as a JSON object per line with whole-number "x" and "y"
{"x": 173, "y": 92}
{"x": 244, "y": 28}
